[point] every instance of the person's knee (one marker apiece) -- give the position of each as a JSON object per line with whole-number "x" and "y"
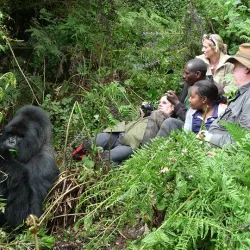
{"x": 118, "y": 154}
{"x": 168, "y": 124}
{"x": 102, "y": 139}
{"x": 109, "y": 157}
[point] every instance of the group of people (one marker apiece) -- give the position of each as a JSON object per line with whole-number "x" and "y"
{"x": 199, "y": 107}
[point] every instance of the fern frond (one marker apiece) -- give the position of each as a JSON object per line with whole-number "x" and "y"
{"x": 235, "y": 130}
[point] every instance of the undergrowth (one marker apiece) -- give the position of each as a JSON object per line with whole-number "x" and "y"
{"x": 204, "y": 197}
{"x": 108, "y": 56}
{"x": 185, "y": 194}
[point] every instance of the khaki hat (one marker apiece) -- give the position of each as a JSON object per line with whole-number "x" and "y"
{"x": 242, "y": 56}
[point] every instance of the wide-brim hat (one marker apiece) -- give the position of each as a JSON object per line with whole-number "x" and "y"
{"x": 242, "y": 56}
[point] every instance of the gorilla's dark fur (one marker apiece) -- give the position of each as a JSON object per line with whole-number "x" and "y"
{"x": 26, "y": 179}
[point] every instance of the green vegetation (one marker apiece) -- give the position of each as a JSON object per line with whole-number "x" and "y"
{"x": 202, "y": 196}
{"x": 90, "y": 64}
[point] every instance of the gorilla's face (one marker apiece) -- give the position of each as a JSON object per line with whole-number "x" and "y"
{"x": 15, "y": 138}
{"x": 24, "y": 134}
{"x": 11, "y": 142}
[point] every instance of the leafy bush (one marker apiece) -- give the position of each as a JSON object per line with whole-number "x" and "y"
{"x": 229, "y": 18}
{"x": 89, "y": 113}
{"x": 25, "y": 241}
{"x": 91, "y": 67}
{"x": 135, "y": 47}
{"x": 205, "y": 197}
{"x": 167, "y": 9}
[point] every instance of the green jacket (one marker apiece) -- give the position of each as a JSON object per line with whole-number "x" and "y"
{"x": 141, "y": 130}
{"x": 134, "y": 131}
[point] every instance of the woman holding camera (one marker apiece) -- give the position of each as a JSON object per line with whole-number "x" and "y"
{"x": 120, "y": 141}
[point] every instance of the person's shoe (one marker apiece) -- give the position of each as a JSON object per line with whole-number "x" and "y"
{"x": 82, "y": 150}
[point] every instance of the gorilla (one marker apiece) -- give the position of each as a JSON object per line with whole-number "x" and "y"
{"x": 28, "y": 168}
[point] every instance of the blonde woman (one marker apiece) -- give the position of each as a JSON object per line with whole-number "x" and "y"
{"x": 215, "y": 56}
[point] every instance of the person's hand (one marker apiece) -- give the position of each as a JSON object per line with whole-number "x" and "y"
{"x": 204, "y": 135}
{"x": 172, "y": 97}
{"x": 211, "y": 153}
{"x": 200, "y": 135}
{"x": 142, "y": 114}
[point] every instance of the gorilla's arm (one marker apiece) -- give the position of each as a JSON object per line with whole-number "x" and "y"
{"x": 2, "y": 219}
{"x": 3, "y": 189}
{"x": 16, "y": 190}
{"x": 43, "y": 170}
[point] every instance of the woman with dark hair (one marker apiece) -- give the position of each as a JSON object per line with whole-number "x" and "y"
{"x": 205, "y": 108}
{"x": 120, "y": 141}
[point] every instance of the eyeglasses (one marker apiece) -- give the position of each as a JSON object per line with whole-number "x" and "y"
{"x": 210, "y": 39}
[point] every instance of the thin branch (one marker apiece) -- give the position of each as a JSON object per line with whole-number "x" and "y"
{"x": 13, "y": 54}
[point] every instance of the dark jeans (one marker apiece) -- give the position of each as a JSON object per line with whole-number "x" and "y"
{"x": 113, "y": 150}
{"x": 169, "y": 125}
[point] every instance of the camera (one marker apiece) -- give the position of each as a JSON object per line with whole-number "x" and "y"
{"x": 147, "y": 108}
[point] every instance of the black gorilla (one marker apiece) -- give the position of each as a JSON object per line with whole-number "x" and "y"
{"x": 26, "y": 178}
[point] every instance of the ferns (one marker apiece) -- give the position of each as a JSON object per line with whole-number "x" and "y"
{"x": 132, "y": 190}
{"x": 236, "y": 131}
{"x": 214, "y": 215}
{"x": 204, "y": 199}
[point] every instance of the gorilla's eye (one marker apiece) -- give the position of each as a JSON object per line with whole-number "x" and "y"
{"x": 17, "y": 131}
{"x": 21, "y": 135}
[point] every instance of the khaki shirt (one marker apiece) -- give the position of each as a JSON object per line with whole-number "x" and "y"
{"x": 223, "y": 68}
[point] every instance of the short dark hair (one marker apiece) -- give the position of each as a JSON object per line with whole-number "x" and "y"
{"x": 197, "y": 64}
{"x": 206, "y": 88}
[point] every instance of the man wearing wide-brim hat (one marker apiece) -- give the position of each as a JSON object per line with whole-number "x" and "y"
{"x": 238, "y": 110}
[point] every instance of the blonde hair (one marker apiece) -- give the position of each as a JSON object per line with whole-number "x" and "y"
{"x": 215, "y": 41}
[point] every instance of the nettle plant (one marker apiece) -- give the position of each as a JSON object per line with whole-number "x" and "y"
{"x": 201, "y": 193}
